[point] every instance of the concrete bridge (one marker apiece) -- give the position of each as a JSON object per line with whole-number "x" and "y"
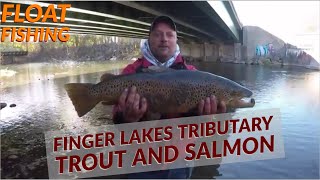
{"x": 206, "y": 29}
{"x": 8, "y": 56}
{"x": 14, "y": 53}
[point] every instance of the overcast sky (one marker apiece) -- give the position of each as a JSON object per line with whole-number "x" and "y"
{"x": 284, "y": 19}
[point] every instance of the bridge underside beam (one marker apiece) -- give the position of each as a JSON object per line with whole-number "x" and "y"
{"x": 100, "y": 15}
{"x": 91, "y": 32}
{"x": 194, "y": 19}
{"x": 203, "y": 34}
{"x": 225, "y": 15}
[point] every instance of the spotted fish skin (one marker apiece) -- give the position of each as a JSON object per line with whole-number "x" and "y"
{"x": 166, "y": 92}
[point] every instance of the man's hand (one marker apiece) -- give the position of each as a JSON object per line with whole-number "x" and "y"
{"x": 132, "y": 105}
{"x": 210, "y": 106}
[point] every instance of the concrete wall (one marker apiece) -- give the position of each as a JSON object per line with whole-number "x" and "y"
{"x": 238, "y": 52}
{"x": 211, "y": 52}
{"x": 185, "y": 49}
{"x": 197, "y": 50}
{"x": 254, "y": 36}
{"x": 192, "y": 51}
{"x": 6, "y": 60}
{"x": 226, "y": 52}
{"x": 260, "y": 45}
{"x": 207, "y": 51}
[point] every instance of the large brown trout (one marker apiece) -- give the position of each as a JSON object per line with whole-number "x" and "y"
{"x": 172, "y": 91}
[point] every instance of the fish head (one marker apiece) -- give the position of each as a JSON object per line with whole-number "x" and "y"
{"x": 236, "y": 95}
{"x": 241, "y": 92}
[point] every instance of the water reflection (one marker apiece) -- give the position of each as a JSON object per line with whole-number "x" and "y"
{"x": 43, "y": 105}
{"x": 13, "y": 75}
{"x": 296, "y": 92}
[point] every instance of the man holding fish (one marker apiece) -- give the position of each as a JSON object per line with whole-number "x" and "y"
{"x": 161, "y": 49}
{"x": 160, "y": 83}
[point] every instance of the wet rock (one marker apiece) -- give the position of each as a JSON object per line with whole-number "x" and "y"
{"x": 265, "y": 61}
{"x": 24, "y": 171}
{"x": 3, "y": 105}
{"x": 17, "y": 175}
{"x": 33, "y": 165}
{"x": 13, "y": 156}
{"x": 13, "y": 105}
{"x": 13, "y": 150}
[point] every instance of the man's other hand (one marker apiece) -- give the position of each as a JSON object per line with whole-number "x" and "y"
{"x": 210, "y": 105}
{"x": 132, "y": 105}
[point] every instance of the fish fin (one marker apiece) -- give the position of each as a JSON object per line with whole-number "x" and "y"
{"x": 81, "y": 99}
{"x": 107, "y": 76}
{"x": 105, "y": 103}
{"x": 156, "y": 69}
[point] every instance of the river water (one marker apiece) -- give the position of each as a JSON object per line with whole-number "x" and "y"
{"x": 43, "y": 105}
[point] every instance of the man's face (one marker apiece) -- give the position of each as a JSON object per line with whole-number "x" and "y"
{"x": 163, "y": 42}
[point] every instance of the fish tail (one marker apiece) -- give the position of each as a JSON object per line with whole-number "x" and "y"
{"x": 81, "y": 98}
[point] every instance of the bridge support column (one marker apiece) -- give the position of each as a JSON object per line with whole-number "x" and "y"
{"x": 237, "y": 52}
{"x": 200, "y": 52}
{"x": 221, "y": 52}
{"x": 226, "y": 52}
{"x": 204, "y": 52}
{"x": 192, "y": 51}
{"x": 211, "y": 52}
